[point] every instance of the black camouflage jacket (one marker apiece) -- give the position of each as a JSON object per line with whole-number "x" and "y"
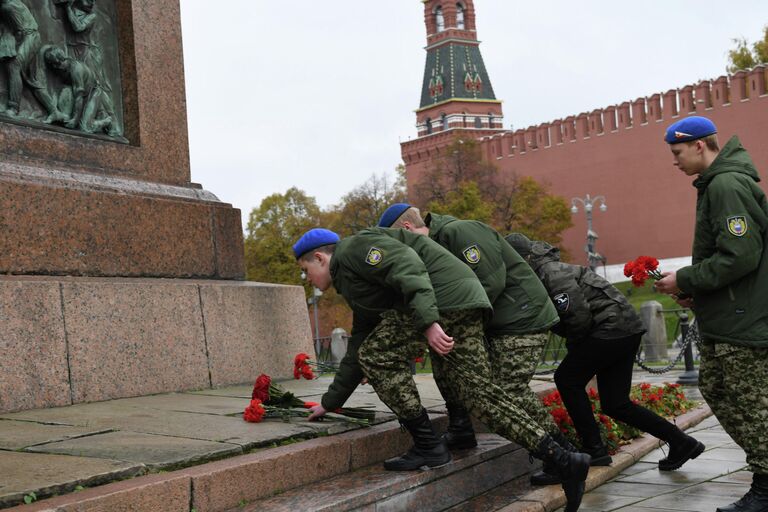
{"x": 588, "y": 305}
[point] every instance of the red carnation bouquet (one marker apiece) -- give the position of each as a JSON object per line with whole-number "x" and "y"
{"x": 269, "y": 400}
{"x": 641, "y": 269}
{"x": 303, "y": 367}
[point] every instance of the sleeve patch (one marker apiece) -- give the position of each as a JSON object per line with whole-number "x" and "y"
{"x": 562, "y": 302}
{"x": 737, "y": 225}
{"x": 472, "y": 254}
{"x": 374, "y": 256}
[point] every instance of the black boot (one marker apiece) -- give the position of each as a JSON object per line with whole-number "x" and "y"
{"x": 599, "y": 454}
{"x": 427, "y": 451}
{"x": 571, "y": 467}
{"x": 548, "y": 474}
{"x": 681, "y": 450}
{"x": 460, "y": 434}
{"x": 756, "y": 499}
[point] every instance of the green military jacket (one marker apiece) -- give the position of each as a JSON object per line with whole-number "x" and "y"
{"x": 520, "y": 302}
{"x": 728, "y": 278}
{"x": 588, "y": 305}
{"x": 380, "y": 269}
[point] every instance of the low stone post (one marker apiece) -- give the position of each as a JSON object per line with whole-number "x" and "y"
{"x": 338, "y": 345}
{"x": 655, "y": 339}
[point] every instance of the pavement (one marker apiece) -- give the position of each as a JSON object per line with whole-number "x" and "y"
{"x": 65, "y": 449}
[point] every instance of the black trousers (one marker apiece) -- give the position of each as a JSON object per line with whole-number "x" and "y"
{"x": 611, "y": 361}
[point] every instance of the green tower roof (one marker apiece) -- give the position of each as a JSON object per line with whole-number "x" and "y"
{"x": 455, "y": 71}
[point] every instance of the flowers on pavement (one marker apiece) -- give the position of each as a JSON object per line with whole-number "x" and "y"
{"x": 269, "y": 400}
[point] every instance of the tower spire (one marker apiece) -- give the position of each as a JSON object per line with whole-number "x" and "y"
{"x": 456, "y": 91}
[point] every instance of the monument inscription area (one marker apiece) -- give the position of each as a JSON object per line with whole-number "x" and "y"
{"x": 60, "y": 66}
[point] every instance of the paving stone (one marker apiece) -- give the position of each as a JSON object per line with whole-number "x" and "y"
{"x": 712, "y": 438}
{"x": 676, "y": 478}
{"x": 707, "y": 424}
{"x": 46, "y": 475}
{"x": 243, "y": 391}
{"x": 687, "y": 502}
{"x": 713, "y": 467}
{"x": 85, "y": 415}
{"x": 122, "y": 415}
{"x": 725, "y": 454}
{"x": 739, "y": 477}
{"x": 155, "y": 452}
{"x": 639, "y": 490}
{"x": 599, "y": 502}
{"x": 638, "y": 508}
{"x": 186, "y": 402}
{"x": 639, "y": 467}
{"x": 717, "y": 489}
{"x": 15, "y": 435}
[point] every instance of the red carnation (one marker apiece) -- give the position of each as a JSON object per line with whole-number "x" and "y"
{"x": 648, "y": 263}
{"x": 261, "y": 388}
{"x": 254, "y": 413}
{"x": 306, "y": 372}
{"x": 300, "y": 359}
{"x": 642, "y": 268}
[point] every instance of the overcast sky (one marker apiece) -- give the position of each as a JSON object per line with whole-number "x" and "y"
{"x": 318, "y": 95}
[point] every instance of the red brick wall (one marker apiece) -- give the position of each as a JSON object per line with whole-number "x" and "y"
{"x": 651, "y": 204}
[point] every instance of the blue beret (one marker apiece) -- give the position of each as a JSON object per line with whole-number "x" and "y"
{"x": 690, "y": 128}
{"x": 313, "y": 239}
{"x": 392, "y": 213}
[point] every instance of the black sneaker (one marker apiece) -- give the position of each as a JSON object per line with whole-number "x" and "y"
{"x": 681, "y": 453}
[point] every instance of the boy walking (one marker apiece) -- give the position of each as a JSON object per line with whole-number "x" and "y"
{"x": 602, "y": 332}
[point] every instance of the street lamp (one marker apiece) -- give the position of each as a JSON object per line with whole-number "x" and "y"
{"x": 593, "y": 257}
{"x": 313, "y": 301}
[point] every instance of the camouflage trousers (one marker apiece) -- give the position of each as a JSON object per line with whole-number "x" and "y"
{"x": 465, "y": 372}
{"x": 733, "y": 381}
{"x": 513, "y": 359}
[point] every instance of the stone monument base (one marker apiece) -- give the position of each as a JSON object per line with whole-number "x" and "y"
{"x": 69, "y": 340}
{"x": 61, "y": 222}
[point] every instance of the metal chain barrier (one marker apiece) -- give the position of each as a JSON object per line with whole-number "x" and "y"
{"x": 692, "y": 336}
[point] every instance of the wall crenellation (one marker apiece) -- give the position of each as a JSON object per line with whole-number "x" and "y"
{"x": 742, "y": 86}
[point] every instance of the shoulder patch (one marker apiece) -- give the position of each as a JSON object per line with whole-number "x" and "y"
{"x": 374, "y": 256}
{"x": 737, "y": 225}
{"x": 471, "y": 254}
{"x": 562, "y": 302}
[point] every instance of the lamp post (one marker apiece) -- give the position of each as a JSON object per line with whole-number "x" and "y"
{"x": 313, "y": 301}
{"x": 593, "y": 257}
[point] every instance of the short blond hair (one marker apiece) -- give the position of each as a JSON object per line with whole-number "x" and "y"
{"x": 710, "y": 141}
{"x": 412, "y": 215}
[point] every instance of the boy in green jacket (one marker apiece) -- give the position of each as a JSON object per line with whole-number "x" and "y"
{"x": 404, "y": 289}
{"x": 727, "y": 285}
{"x": 516, "y": 334}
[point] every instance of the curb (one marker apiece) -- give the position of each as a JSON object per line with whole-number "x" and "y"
{"x": 551, "y": 497}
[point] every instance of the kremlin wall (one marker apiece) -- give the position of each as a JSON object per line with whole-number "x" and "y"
{"x": 616, "y": 151}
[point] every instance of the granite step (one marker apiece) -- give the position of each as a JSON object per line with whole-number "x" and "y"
{"x": 497, "y": 498}
{"x": 495, "y": 462}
